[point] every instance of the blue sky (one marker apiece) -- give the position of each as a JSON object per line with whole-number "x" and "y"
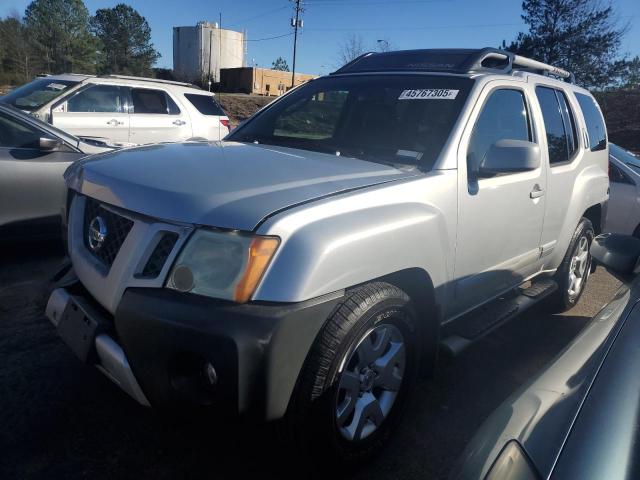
{"x": 404, "y": 23}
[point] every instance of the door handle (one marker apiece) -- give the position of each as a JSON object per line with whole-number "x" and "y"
{"x": 114, "y": 123}
{"x": 537, "y": 192}
{"x": 179, "y": 122}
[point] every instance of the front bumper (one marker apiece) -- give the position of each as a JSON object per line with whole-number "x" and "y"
{"x": 158, "y": 343}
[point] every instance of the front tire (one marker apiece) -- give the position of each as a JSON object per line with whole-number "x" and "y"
{"x": 358, "y": 376}
{"x": 574, "y": 270}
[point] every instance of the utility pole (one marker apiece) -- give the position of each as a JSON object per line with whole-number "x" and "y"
{"x": 295, "y": 23}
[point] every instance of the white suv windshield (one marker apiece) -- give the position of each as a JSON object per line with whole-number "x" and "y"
{"x": 397, "y": 119}
{"x": 35, "y": 94}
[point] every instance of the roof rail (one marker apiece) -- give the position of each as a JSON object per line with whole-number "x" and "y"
{"x": 451, "y": 60}
{"x": 146, "y": 79}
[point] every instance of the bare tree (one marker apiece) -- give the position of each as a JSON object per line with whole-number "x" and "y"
{"x": 351, "y": 48}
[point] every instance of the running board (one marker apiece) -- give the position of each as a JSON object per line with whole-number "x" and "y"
{"x": 478, "y": 323}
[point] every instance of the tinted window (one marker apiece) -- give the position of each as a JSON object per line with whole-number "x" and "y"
{"x": 616, "y": 175}
{"x": 569, "y": 123}
{"x": 559, "y": 143}
{"x": 205, "y": 104}
{"x": 98, "y": 98}
{"x": 35, "y": 94}
{"x": 314, "y": 118}
{"x": 15, "y": 134}
{"x": 151, "y": 101}
{"x": 596, "y": 129}
{"x": 503, "y": 117}
{"x": 381, "y": 118}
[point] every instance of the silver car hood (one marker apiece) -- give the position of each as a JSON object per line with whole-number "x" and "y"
{"x": 223, "y": 184}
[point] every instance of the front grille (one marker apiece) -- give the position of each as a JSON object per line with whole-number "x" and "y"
{"x": 117, "y": 228}
{"x": 159, "y": 255}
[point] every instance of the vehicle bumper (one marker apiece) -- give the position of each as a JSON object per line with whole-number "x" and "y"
{"x": 160, "y": 345}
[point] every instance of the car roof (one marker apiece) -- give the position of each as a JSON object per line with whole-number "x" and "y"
{"x": 78, "y": 77}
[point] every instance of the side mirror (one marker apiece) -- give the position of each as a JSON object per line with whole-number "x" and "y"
{"x": 617, "y": 253}
{"x": 510, "y": 156}
{"x": 49, "y": 144}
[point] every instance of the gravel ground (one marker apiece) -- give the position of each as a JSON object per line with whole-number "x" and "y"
{"x": 61, "y": 419}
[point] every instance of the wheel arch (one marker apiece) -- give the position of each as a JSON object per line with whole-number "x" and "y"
{"x": 418, "y": 285}
{"x": 595, "y": 216}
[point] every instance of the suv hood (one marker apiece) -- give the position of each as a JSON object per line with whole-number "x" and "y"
{"x": 226, "y": 184}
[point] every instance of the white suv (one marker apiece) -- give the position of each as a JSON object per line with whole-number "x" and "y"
{"x": 123, "y": 110}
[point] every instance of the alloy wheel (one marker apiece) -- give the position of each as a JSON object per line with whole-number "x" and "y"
{"x": 579, "y": 268}
{"x": 369, "y": 382}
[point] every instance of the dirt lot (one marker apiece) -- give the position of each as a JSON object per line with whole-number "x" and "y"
{"x": 61, "y": 419}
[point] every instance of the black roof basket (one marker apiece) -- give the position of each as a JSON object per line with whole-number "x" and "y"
{"x": 489, "y": 60}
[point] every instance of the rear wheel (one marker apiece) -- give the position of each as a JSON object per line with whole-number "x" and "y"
{"x": 574, "y": 270}
{"x": 358, "y": 376}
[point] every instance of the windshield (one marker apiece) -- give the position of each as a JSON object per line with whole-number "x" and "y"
{"x": 395, "y": 119}
{"x": 37, "y": 93}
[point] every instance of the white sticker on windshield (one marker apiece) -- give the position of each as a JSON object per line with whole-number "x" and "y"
{"x": 57, "y": 86}
{"x": 429, "y": 94}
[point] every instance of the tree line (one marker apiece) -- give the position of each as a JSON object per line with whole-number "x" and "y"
{"x": 57, "y": 36}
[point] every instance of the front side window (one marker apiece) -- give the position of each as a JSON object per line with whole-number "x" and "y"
{"x": 504, "y": 116}
{"x": 98, "y": 99}
{"x": 15, "y": 134}
{"x": 146, "y": 100}
{"x": 560, "y": 139}
{"x": 596, "y": 129}
{"x": 35, "y": 94}
{"x": 396, "y": 119}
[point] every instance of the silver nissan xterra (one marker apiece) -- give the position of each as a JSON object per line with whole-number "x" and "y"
{"x": 309, "y": 267}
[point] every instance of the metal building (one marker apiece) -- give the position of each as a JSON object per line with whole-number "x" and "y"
{"x": 200, "y": 52}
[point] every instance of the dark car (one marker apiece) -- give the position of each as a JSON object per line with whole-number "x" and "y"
{"x": 579, "y": 418}
{"x": 33, "y": 158}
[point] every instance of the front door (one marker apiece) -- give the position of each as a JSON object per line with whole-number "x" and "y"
{"x": 156, "y": 118}
{"x": 500, "y": 217}
{"x": 31, "y": 179}
{"x": 98, "y": 111}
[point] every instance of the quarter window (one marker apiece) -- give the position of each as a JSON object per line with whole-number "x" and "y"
{"x": 558, "y": 124}
{"x": 98, "y": 99}
{"x": 504, "y": 116}
{"x": 146, "y": 100}
{"x": 596, "y": 129}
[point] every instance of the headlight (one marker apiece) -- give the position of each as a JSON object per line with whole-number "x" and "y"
{"x": 222, "y": 264}
{"x": 512, "y": 464}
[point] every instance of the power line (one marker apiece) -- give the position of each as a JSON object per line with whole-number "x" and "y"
{"x": 259, "y": 15}
{"x": 430, "y": 27}
{"x": 269, "y": 38}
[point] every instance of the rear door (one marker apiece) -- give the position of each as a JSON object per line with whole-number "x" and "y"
{"x": 156, "y": 117}
{"x": 31, "y": 179}
{"x": 96, "y": 111}
{"x": 561, "y": 145}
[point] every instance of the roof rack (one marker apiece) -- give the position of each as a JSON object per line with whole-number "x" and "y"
{"x": 155, "y": 80}
{"x": 490, "y": 60}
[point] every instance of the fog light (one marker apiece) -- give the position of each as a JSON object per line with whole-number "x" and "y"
{"x": 210, "y": 374}
{"x": 182, "y": 278}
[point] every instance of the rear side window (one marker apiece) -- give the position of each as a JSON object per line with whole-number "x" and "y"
{"x": 596, "y": 129}
{"x": 146, "y": 100}
{"x": 504, "y": 116}
{"x": 205, "y": 104}
{"x": 98, "y": 99}
{"x": 558, "y": 124}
